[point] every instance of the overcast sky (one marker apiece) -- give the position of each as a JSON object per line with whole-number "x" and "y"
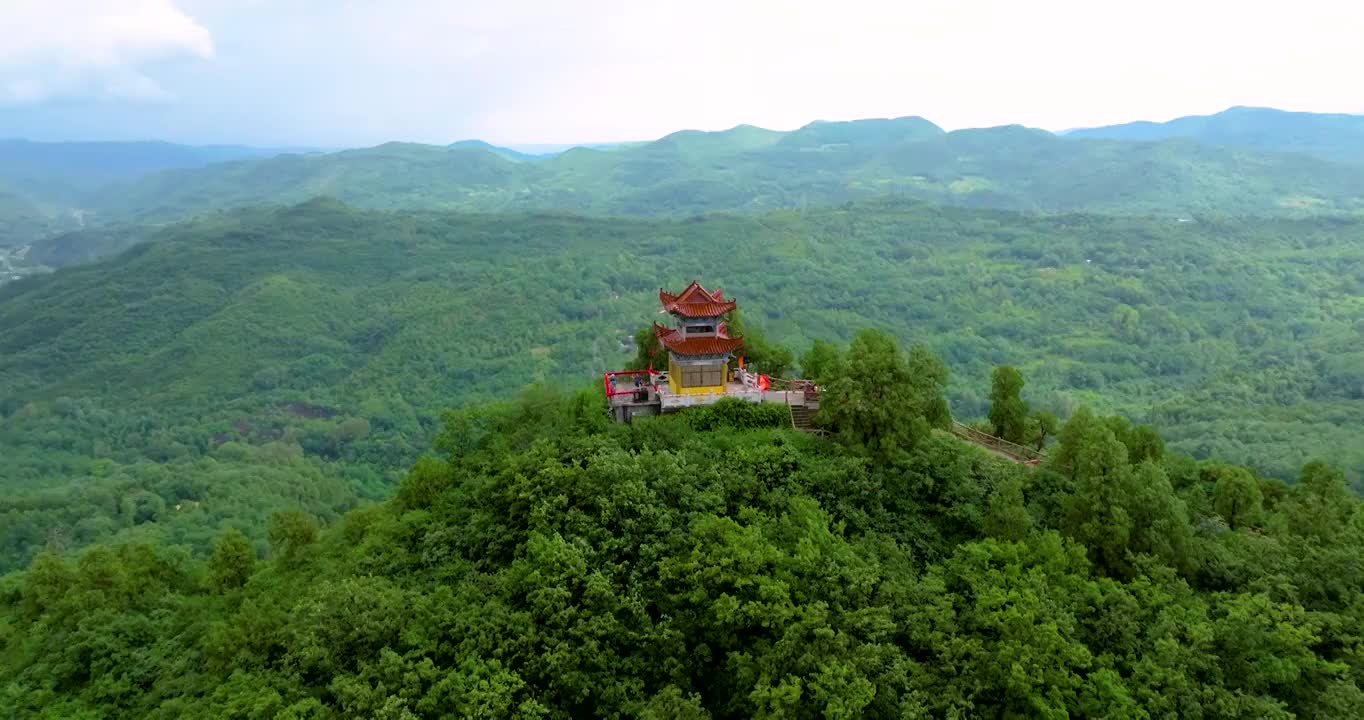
{"x": 351, "y": 72}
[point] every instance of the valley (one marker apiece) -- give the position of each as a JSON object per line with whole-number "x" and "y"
{"x": 15, "y": 263}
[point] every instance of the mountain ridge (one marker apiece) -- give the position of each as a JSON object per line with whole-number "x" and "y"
{"x": 1330, "y": 136}
{"x": 751, "y": 169}
{"x": 741, "y": 169}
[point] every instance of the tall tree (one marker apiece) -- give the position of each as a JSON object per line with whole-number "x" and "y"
{"x": 879, "y": 403}
{"x": 821, "y": 363}
{"x": 1096, "y": 513}
{"x": 1008, "y": 412}
{"x": 1319, "y": 505}
{"x": 233, "y": 561}
{"x": 1006, "y": 515}
{"x": 1235, "y": 494}
{"x": 290, "y": 532}
{"x": 1043, "y": 426}
{"x": 928, "y": 382}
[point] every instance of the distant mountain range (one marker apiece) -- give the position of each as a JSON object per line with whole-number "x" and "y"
{"x": 1243, "y": 161}
{"x": 1334, "y": 137}
{"x": 752, "y": 169}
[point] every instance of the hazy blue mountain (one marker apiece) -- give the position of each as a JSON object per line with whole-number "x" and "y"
{"x": 1329, "y": 136}
{"x": 871, "y": 132}
{"x": 82, "y": 165}
{"x": 548, "y": 149}
{"x": 47, "y": 187}
{"x": 505, "y": 152}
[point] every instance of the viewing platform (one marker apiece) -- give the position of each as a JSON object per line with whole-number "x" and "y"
{"x": 633, "y": 393}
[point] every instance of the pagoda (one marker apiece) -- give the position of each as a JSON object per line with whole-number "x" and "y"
{"x": 699, "y": 345}
{"x": 699, "y": 348}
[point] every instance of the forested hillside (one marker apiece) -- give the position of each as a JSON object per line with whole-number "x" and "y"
{"x": 1244, "y": 161}
{"x": 301, "y": 355}
{"x": 1329, "y": 136}
{"x": 751, "y": 169}
{"x": 549, "y": 564}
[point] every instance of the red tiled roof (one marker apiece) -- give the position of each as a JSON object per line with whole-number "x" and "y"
{"x": 695, "y": 301}
{"x": 671, "y": 339}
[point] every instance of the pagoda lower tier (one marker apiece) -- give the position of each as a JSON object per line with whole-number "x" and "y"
{"x": 698, "y": 364}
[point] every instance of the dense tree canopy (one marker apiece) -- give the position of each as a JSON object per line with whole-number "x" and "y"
{"x": 715, "y": 565}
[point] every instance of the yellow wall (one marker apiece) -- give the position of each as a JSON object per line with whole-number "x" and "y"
{"x": 675, "y": 382}
{"x": 701, "y": 390}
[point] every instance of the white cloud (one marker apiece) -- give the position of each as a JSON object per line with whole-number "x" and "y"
{"x": 340, "y": 72}
{"x": 52, "y": 49}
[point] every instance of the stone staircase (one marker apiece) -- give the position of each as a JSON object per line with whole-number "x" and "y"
{"x": 801, "y": 418}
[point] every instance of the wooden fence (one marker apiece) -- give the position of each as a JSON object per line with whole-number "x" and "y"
{"x": 1018, "y": 453}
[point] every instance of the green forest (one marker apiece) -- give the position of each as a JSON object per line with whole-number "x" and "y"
{"x": 543, "y": 562}
{"x": 322, "y": 435}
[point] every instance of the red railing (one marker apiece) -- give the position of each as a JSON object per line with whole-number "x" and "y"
{"x": 607, "y": 377}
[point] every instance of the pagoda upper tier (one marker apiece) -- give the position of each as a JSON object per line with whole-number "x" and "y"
{"x": 696, "y": 302}
{"x": 679, "y": 342}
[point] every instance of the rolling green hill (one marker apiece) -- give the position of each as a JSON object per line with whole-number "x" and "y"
{"x": 321, "y": 342}
{"x": 1225, "y": 164}
{"x": 507, "y": 153}
{"x": 750, "y": 169}
{"x": 1334, "y": 137}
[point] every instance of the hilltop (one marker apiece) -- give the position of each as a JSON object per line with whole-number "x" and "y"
{"x": 1333, "y": 137}
{"x": 544, "y": 563}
